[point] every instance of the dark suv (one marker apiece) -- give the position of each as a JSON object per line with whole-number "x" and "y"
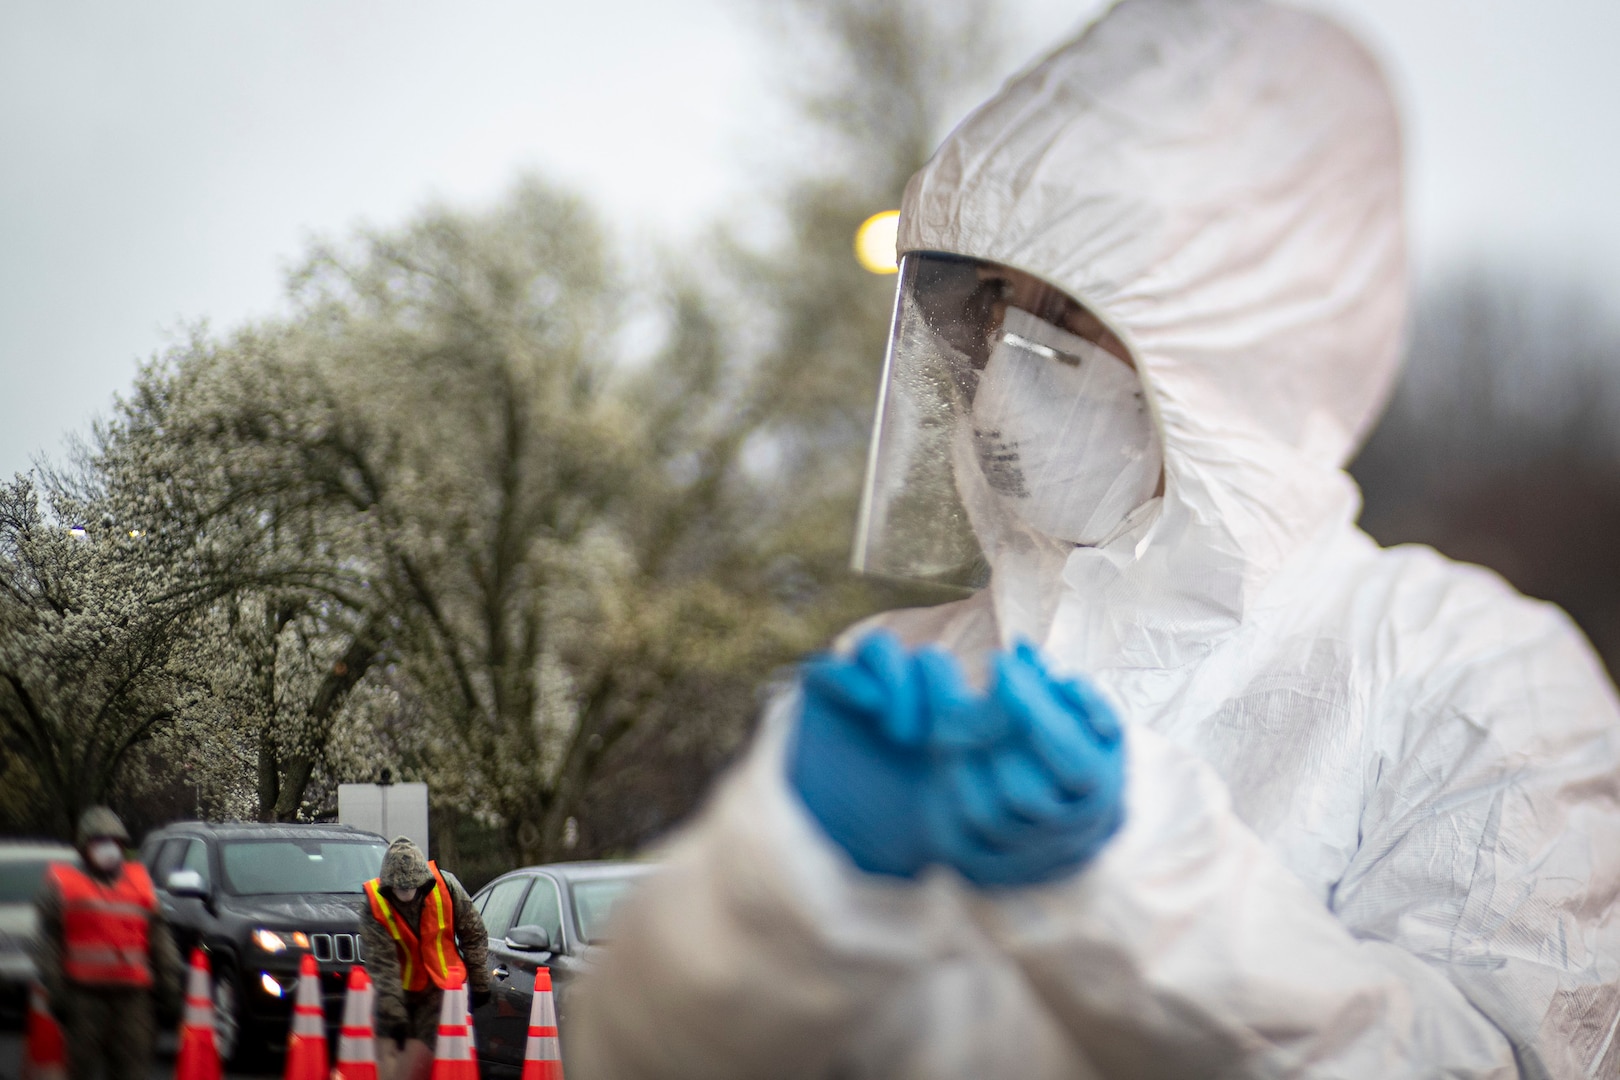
{"x": 258, "y": 897}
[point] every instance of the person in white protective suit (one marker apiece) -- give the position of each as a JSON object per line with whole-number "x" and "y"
{"x": 1371, "y": 798}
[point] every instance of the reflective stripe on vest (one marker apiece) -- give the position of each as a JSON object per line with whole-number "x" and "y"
{"x": 428, "y": 952}
{"x": 105, "y": 928}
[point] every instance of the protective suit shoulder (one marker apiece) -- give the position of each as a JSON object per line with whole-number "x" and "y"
{"x": 1461, "y": 637}
{"x": 1488, "y": 832}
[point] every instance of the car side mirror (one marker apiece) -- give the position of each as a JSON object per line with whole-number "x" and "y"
{"x": 186, "y": 883}
{"x": 529, "y": 938}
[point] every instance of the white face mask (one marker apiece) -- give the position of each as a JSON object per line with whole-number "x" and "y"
{"x": 105, "y": 855}
{"x": 1062, "y": 432}
{"x": 405, "y": 896}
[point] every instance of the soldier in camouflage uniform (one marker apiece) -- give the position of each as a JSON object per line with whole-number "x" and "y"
{"x": 413, "y": 905}
{"x": 105, "y": 958}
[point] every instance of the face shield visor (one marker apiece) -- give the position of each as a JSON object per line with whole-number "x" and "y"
{"x": 988, "y": 402}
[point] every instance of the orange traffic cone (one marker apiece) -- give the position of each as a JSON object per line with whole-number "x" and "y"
{"x": 45, "y": 1052}
{"x": 306, "y": 1045}
{"x": 452, "y": 1050}
{"x": 199, "y": 1056}
{"x": 542, "y": 1057}
{"x": 357, "y": 1045}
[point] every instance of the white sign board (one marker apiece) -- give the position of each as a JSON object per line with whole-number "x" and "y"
{"x": 389, "y": 809}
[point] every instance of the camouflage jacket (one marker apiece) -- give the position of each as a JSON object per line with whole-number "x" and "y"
{"x": 382, "y": 957}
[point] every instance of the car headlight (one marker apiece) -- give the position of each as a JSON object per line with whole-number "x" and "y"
{"x": 279, "y": 941}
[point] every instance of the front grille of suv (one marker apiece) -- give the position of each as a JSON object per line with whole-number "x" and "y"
{"x": 344, "y": 948}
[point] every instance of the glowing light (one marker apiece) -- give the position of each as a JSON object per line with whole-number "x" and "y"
{"x": 875, "y": 241}
{"x": 135, "y": 534}
{"x": 268, "y": 981}
{"x": 269, "y": 941}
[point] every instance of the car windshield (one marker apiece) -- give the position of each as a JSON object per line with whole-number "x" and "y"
{"x": 281, "y": 866}
{"x": 20, "y": 878}
{"x": 594, "y": 901}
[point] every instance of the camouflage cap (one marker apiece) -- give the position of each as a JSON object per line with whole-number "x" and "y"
{"x": 404, "y": 867}
{"x": 98, "y": 822}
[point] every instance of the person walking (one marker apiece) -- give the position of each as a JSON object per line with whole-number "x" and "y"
{"x": 105, "y": 957}
{"x": 423, "y": 936}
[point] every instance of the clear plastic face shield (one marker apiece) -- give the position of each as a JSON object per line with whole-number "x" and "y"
{"x": 991, "y": 399}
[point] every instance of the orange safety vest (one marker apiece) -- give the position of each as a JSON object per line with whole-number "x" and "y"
{"x": 106, "y": 927}
{"x": 429, "y": 951}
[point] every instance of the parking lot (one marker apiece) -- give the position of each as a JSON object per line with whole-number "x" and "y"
{"x": 266, "y": 902}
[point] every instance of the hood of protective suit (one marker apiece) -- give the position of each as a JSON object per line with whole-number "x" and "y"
{"x": 1220, "y": 182}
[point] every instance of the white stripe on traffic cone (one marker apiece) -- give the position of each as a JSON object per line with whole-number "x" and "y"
{"x": 198, "y": 1058}
{"x": 452, "y": 1050}
{"x": 357, "y": 1045}
{"x": 542, "y": 1055}
{"x": 306, "y": 1045}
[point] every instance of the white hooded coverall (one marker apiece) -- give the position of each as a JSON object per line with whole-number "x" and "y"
{"x": 1373, "y": 802}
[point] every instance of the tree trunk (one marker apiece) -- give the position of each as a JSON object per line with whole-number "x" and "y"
{"x": 269, "y": 779}
{"x": 295, "y": 778}
{"x": 334, "y": 688}
{"x": 442, "y": 836}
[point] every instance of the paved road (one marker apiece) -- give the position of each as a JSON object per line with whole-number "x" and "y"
{"x": 11, "y": 1056}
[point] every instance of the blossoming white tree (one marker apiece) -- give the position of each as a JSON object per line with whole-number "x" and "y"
{"x": 495, "y": 510}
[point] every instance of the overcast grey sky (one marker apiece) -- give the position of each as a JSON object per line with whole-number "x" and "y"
{"x": 161, "y": 162}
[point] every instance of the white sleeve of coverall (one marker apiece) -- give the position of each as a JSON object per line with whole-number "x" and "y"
{"x": 756, "y": 947}
{"x": 1188, "y": 949}
{"x": 1490, "y": 843}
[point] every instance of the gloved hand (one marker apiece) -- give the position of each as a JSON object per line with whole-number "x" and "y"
{"x": 904, "y": 765}
{"x": 478, "y": 998}
{"x": 399, "y": 1033}
{"x": 858, "y": 759}
{"x": 1036, "y": 785}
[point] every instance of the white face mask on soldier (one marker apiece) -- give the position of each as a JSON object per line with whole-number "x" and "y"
{"x": 105, "y": 855}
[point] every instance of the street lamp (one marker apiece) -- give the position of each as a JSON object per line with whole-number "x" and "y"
{"x": 875, "y": 242}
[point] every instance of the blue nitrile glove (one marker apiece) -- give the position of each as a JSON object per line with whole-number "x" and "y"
{"x": 858, "y": 760}
{"x": 1035, "y": 784}
{"x": 904, "y": 765}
